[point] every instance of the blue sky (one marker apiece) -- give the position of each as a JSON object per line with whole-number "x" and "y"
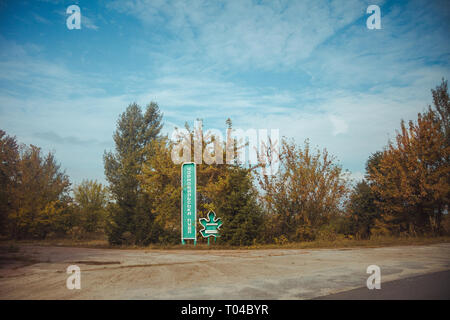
{"x": 309, "y": 68}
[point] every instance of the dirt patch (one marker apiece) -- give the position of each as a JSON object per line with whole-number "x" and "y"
{"x": 15, "y": 262}
{"x": 96, "y": 263}
{"x": 153, "y": 265}
{"x": 212, "y": 274}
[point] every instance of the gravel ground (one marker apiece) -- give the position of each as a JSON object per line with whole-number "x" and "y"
{"x": 36, "y": 272}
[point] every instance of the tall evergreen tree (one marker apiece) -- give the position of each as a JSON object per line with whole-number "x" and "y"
{"x": 362, "y": 209}
{"x": 130, "y": 213}
{"x": 235, "y": 197}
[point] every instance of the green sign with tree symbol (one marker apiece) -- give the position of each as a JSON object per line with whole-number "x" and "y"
{"x": 210, "y": 225}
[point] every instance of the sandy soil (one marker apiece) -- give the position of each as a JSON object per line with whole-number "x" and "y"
{"x": 40, "y": 272}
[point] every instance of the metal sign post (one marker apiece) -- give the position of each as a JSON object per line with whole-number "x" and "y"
{"x": 188, "y": 202}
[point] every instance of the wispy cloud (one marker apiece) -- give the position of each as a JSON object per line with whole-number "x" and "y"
{"x": 309, "y": 68}
{"x": 53, "y": 137}
{"x": 41, "y": 19}
{"x": 243, "y": 33}
{"x": 88, "y": 23}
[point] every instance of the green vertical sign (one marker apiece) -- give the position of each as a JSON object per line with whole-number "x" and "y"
{"x": 188, "y": 202}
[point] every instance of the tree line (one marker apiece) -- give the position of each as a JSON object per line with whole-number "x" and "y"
{"x": 405, "y": 191}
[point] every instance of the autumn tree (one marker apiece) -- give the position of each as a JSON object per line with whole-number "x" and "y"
{"x": 9, "y": 161}
{"x": 130, "y": 213}
{"x": 412, "y": 180}
{"x": 441, "y": 108}
{"x": 225, "y": 188}
{"x": 373, "y": 163}
{"x": 91, "y": 199}
{"x": 306, "y": 192}
{"x": 42, "y": 196}
{"x": 160, "y": 180}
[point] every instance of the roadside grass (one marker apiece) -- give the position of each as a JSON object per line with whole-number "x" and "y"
{"x": 13, "y": 246}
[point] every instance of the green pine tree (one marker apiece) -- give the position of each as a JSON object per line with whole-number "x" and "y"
{"x": 129, "y": 215}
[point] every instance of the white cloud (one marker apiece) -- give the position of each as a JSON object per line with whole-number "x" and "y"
{"x": 41, "y": 19}
{"x": 360, "y": 83}
{"x": 87, "y": 22}
{"x": 245, "y": 34}
{"x": 339, "y": 125}
{"x": 356, "y": 176}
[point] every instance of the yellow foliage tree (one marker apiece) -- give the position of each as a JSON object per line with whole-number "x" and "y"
{"x": 224, "y": 188}
{"x": 307, "y": 191}
{"x": 411, "y": 181}
{"x": 41, "y": 194}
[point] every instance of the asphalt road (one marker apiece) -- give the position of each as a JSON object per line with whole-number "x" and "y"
{"x": 433, "y": 286}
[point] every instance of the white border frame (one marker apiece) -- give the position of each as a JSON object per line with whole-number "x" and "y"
{"x": 195, "y": 211}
